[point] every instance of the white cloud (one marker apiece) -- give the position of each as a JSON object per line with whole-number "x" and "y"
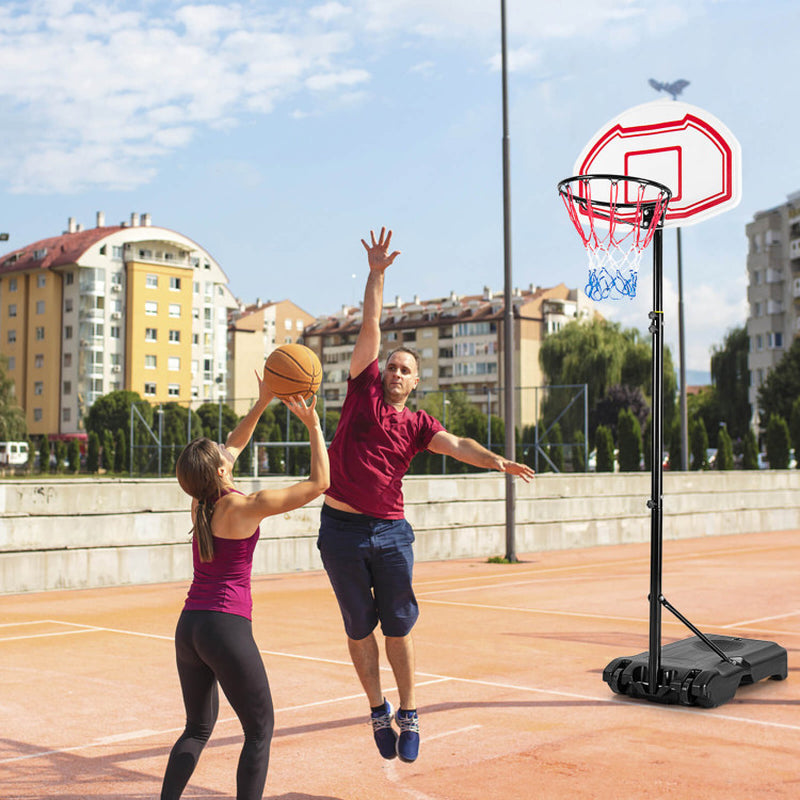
{"x": 94, "y": 95}
{"x": 333, "y": 80}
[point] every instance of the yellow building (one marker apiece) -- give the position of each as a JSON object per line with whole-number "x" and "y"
{"x": 130, "y": 306}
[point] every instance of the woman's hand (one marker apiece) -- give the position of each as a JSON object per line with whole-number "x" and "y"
{"x": 306, "y": 414}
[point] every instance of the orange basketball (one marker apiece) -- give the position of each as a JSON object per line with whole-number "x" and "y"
{"x": 293, "y": 369}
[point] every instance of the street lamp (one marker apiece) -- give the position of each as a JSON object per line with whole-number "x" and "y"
{"x": 675, "y": 88}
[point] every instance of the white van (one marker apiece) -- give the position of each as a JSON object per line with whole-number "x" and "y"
{"x": 13, "y": 453}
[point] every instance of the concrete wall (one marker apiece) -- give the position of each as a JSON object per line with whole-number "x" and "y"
{"x": 59, "y": 534}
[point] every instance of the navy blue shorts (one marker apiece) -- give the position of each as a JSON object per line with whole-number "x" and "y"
{"x": 370, "y": 564}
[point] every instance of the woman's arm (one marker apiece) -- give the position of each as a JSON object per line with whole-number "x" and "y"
{"x": 241, "y": 514}
{"x": 239, "y": 437}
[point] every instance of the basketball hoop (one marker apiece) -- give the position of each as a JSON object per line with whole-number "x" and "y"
{"x": 616, "y": 217}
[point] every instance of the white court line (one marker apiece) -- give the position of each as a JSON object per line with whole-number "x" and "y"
{"x": 42, "y": 635}
{"x": 26, "y": 622}
{"x": 762, "y": 619}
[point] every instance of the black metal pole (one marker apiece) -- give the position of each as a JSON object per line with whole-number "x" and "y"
{"x": 508, "y": 315}
{"x": 682, "y": 365}
{"x": 656, "y": 469}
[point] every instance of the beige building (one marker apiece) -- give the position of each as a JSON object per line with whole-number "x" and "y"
{"x": 773, "y": 291}
{"x": 253, "y": 333}
{"x": 460, "y": 342}
{"x": 129, "y": 306}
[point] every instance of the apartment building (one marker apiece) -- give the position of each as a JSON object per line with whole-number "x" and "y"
{"x": 773, "y": 291}
{"x": 129, "y": 306}
{"x": 254, "y": 331}
{"x": 460, "y": 342}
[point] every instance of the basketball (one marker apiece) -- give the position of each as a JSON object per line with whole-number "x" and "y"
{"x": 293, "y": 369}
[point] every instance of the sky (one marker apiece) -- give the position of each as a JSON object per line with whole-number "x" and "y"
{"x": 278, "y": 134}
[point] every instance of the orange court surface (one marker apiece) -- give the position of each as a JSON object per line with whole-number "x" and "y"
{"x": 510, "y": 691}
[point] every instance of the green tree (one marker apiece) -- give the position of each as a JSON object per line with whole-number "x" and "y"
{"x": 60, "y": 452}
{"x": 579, "y": 452}
{"x": 74, "y": 456}
{"x": 120, "y": 451}
{"x": 675, "y": 446}
{"x": 112, "y": 412}
{"x": 108, "y": 450}
{"x": 44, "y": 454}
{"x": 629, "y": 435}
{"x": 781, "y": 387}
{"x": 724, "y": 450}
{"x": 731, "y": 381}
{"x": 217, "y": 419}
{"x": 556, "y": 449}
{"x": 12, "y": 417}
{"x": 698, "y": 444}
{"x": 604, "y": 443}
{"x": 777, "y": 442}
{"x": 794, "y": 429}
{"x": 705, "y": 406}
{"x": 93, "y": 453}
{"x": 750, "y": 450}
{"x": 600, "y": 354}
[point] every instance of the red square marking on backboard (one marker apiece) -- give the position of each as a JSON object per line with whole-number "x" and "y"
{"x": 661, "y": 164}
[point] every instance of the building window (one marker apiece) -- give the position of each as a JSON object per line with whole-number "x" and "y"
{"x": 67, "y": 359}
{"x": 174, "y": 336}
{"x": 174, "y": 389}
{"x": 149, "y": 362}
{"x": 68, "y": 305}
{"x": 175, "y": 283}
{"x": 38, "y": 387}
{"x": 116, "y": 251}
{"x": 759, "y": 342}
{"x": 12, "y": 284}
{"x": 151, "y": 281}
{"x": 175, "y": 309}
{"x": 149, "y": 389}
{"x": 69, "y": 278}
{"x": 66, "y": 414}
{"x": 195, "y": 338}
{"x": 68, "y": 331}
{"x": 67, "y": 387}
{"x": 151, "y": 308}
{"x": 37, "y": 414}
{"x": 114, "y": 331}
{"x": 38, "y": 360}
{"x": 40, "y": 333}
{"x": 150, "y": 334}
{"x": 40, "y": 306}
{"x": 12, "y": 362}
{"x": 41, "y": 281}
{"x": 173, "y": 363}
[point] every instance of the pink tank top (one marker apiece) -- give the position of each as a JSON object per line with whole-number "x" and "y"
{"x": 223, "y": 584}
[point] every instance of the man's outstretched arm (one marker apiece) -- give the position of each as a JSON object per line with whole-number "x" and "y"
{"x": 368, "y": 343}
{"x": 470, "y": 452}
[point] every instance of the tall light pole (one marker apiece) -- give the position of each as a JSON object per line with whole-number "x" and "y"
{"x": 675, "y": 88}
{"x": 508, "y": 312}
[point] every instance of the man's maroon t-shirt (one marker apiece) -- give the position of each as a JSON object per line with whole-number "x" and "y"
{"x": 373, "y": 446}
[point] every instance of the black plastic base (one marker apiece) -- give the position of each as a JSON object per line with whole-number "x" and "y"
{"x": 692, "y": 674}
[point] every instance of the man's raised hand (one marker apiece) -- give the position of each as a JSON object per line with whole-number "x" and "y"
{"x": 378, "y": 254}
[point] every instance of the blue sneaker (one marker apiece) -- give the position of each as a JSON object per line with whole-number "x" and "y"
{"x": 382, "y": 730}
{"x": 408, "y": 743}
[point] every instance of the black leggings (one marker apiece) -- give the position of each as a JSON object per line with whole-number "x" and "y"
{"x": 212, "y": 646}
